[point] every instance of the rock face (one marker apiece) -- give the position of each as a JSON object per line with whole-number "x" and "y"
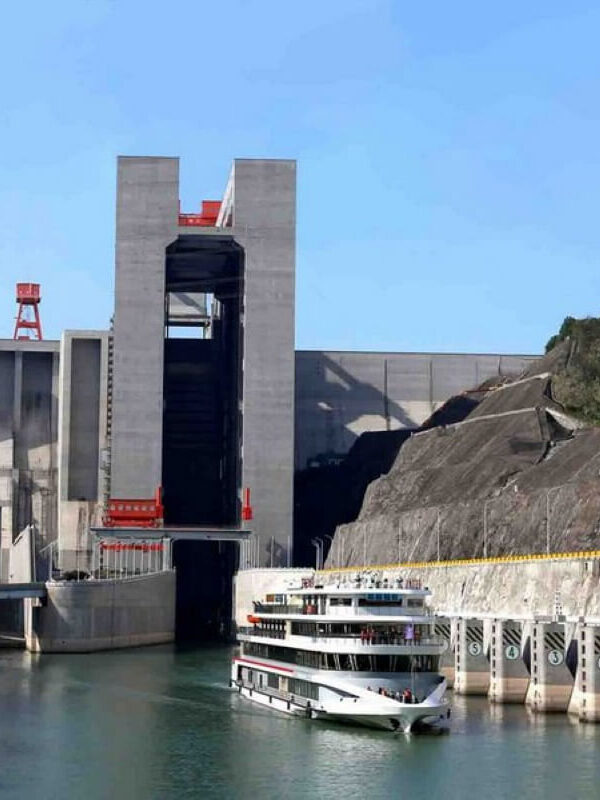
{"x": 516, "y": 476}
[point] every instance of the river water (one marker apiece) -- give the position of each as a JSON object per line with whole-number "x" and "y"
{"x": 161, "y": 723}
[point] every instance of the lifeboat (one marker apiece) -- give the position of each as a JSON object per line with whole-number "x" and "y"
{"x": 252, "y": 619}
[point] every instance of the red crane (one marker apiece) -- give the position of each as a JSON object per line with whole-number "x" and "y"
{"x": 28, "y": 324}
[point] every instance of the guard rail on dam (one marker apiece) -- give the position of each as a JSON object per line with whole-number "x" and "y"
{"x": 116, "y": 589}
{"x": 519, "y": 629}
{"x": 118, "y": 594}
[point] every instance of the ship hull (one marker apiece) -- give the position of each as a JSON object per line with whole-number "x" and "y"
{"x": 343, "y": 699}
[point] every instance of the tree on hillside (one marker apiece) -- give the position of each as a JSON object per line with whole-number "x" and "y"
{"x": 577, "y": 385}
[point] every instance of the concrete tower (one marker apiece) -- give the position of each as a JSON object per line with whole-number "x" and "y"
{"x": 206, "y": 416}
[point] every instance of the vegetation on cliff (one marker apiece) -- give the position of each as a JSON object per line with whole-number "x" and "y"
{"x": 576, "y": 386}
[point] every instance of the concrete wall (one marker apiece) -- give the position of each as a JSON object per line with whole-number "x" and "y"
{"x": 7, "y": 375}
{"x": 22, "y": 558}
{"x": 28, "y": 441}
{"x": 84, "y": 425}
{"x": 517, "y": 589}
{"x": 103, "y": 615}
{"x": 147, "y": 208}
{"x": 82, "y": 436}
{"x": 340, "y": 395}
{"x": 264, "y": 223}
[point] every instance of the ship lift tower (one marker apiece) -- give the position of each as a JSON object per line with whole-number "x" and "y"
{"x": 28, "y": 324}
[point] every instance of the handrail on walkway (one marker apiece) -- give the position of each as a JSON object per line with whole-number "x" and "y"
{"x": 465, "y": 562}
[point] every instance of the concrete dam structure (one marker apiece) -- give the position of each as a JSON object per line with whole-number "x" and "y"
{"x": 193, "y": 410}
{"x": 517, "y": 475}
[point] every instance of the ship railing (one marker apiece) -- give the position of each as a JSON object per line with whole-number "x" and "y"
{"x": 278, "y": 608}
{"x": 379, "y": 611}
{"x": 379, "y": 639}
{"x": 363, "y": 611}
{"x": 375, "y": 641}
{"x": 256, "y": 631}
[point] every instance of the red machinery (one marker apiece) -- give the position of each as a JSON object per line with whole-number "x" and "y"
{"x": 28, "y": 298}
{"x": 144, "y": 547}
{"x": 247, "y": 513}
{"x": 207, "y": 218}
{"x": 121, "y": 513}
{"x": 135, "y": 513}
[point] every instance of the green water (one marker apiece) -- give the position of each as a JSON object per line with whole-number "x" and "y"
{"x": 161, "y": 723}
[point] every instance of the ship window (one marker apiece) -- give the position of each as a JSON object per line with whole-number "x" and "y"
{"x": 396, "y": 598}
{"x": 275, "y": 598}
{"x": 369, "y": 602}
{"x": 340, "y": 601}
{"x": 308, "y": 658}
{"x": 273, "y": 681}
{"x": 303, "y": 688}
{"x": 414, "y": 603}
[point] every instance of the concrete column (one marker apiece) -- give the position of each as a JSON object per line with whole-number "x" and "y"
{"x": 7, "y": 478}
{"x": 147, "y": 206}
{"x": 446, "y": 629}
{"x": 509, "y": 677}
{"x": 17, "y": 414}
{"x": 17, "y": 390}
{"x": 82, "y": 436}
{"x": 264, "y": 192}
{"x": 472, "y": 670}
{"x": 551, "y": 682}
{"x": 585, "y": 700}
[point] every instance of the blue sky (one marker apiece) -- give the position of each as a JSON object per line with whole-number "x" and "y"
{"x": 448, "y": 154}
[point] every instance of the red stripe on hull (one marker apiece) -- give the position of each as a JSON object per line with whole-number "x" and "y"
{"x": 260, "y": 664}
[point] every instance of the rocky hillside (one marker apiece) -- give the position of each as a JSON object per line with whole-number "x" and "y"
{"x": 519, "y": 474}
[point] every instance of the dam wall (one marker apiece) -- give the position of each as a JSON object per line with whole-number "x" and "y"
{"x": 521, "y": 587}
{"x": 86, "y": 616}
{"x": 28, "y": 441}
{"x": 57, "y": 437}
{"x": 341, "y": 395}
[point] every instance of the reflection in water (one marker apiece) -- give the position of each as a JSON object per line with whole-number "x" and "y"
{"x": 161, "y": 723}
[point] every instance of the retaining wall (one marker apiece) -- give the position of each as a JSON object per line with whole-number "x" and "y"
{"x": 103, "y": 615}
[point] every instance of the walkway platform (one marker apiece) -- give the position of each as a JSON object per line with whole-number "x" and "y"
{"x": 20, "y": 591}
{"x": 177, "y": 533}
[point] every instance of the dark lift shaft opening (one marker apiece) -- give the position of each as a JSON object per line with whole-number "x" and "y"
{"x": 205, "y": 571}
{"x": 202, "y": 421}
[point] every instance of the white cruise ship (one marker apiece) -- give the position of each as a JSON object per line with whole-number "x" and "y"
{"x": 353, "y": 653}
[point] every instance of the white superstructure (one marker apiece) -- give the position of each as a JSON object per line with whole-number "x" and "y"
{"x": 357, "y": 653}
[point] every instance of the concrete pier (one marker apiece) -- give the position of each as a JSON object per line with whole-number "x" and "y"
{"x": 472, "y": 669}
{"x": 509, "y": 676}
{"x": 551, "y": 682}
{"x": 585, "y": 700}
{"x": 446, "y": 628}
{"x": 82, "y": 617}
